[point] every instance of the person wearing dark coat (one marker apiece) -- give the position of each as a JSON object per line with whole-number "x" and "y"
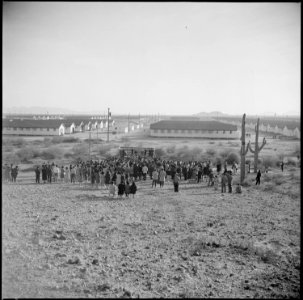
{"x": 133, "y": 189}
{"x": 44, "y": 173}
{"x": 258, "y": 177}
{"x": 37, "y": 172}
{"x": 127, "y": 189}
{"x": 121, "y": 188}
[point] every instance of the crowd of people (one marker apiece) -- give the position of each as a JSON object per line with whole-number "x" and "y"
{"x": 120, "y": 174}
{"x": 10, "y": 173}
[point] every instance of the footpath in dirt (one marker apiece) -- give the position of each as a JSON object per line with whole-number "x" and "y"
{"x": 63, "y": 240}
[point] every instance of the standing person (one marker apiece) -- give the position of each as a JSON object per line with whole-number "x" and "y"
{"x": 49, "y": 173}
{"x": 121, "y": 189}
{"x": 225, "y": 166}
{"x": 162, "y": 175}
{"x": 218, "y": 167}
{"x": 223, "y": 182}
{"x": 155, "y": 177}
{"x": 66, "y": 175}
{"x": 111, "y": 189}
{"x": 282, "y": 166}
{"x": 107, "y": 178}
{"x": 258, "y": 178}
{"x": 102, "y": 179}
{"x": 229, "y": 181}
{"x": 216, "y": 182}
{"x": 37, "y": 172}
{"x": 15, "y": 173}
{"x": 44, "y": 173}
{"x": 144, "y": 171}
{"x": 133, "y": 188}
{"x": 7, "y": 173}
{"x": 127, "y": 189}
{"x": 97, "y": 176}
{"x": 72, "y": 174}
{"x": 234, "y": 168}
{"x": 199, "y": 175}
{"x": 176, "y": 182}
{"x": 61, "y": 173}
{"x": 211, "y": 178}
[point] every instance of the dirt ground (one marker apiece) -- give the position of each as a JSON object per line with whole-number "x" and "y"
{"x": 65, "y": 241}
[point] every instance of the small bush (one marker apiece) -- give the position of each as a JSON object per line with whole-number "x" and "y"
{"x": 171, "y": 149}
{"x": 104, "y": 149}
{"x": 65, "y": 139}
{"x": 246, "y": 183}
{"x": 25, "y": 154}
{"x": 80, "y": 149}
{"x": 278, "y": 179}
{"x": 159, "y": 152}
{"x": 51, "y": 153}
{"x": 291, "y": 162}
{"x": 211, "y": 152}
{"x": 270, "y": 161}
{"x": 17, "y": 142}
{"x": 10, "y": 158}
{"x": 233, "y": 157}
{"x": 224, "y": 154}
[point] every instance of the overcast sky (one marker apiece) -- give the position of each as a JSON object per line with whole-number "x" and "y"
{"x": 170, "y": 58}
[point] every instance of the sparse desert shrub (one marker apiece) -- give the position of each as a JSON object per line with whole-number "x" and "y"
{"x": 270, "y": 161}
{"x": 246, "y": 183}
{"x": 65, "y": 139}
{"x": 291, "y": 162}
{"x": 278, "y": 179}
{"x": 211, "y": 151}
{"x": 125, "y": 139}
{"x": 104, "y": 149}
{"x": 16, "y": 142}
{"x": 51, "y": 153}
{"x": 233, "y": 157}
{"x": 10, "y": 158}
{"x": 159, "y": 152}
{"x": 25, "y": 154}
{"x": 224, "y": 154}
{"x": 171, "y": 149}
{"x": 80, "y": 149}
{"x": 297, "y": 151}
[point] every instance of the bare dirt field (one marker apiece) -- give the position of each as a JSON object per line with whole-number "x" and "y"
{"x": 65, "y": 241}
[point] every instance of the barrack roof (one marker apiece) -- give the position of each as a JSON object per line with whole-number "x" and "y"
{"x": 193, "y": 125}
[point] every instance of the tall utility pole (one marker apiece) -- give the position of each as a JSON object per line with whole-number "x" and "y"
{"x": 108, "y": 114}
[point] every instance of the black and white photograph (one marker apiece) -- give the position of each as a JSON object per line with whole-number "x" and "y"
{"x": 151, "y": 149}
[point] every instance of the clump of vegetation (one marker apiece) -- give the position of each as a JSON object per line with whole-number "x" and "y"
{"x": 270, "y": 161}
{"x": 211, "y": 151}
{"x": 104, "y": 150}
{"x": 65, "y": 139}
{"x": 297, "y": 151}
{"x": 10, "y": 158}
{"x": 160, "y": 152}
{"x": 233, "y": 157}
{"x": 53, "y": 152}
{"x": 291, "y": 162}
{"x": 16, "y": 142}
{"x": 171, "y": 149}
{"x": 80, "y": 149}
{"x": 26, "y": 153}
